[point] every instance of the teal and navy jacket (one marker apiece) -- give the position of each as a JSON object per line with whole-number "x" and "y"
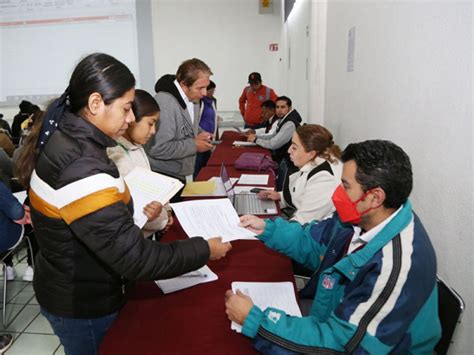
{"x": 377, "y": 300}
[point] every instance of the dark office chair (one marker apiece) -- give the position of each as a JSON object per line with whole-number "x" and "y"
{"x": 15, "y": 185}
{"x": 285, "y": 169}
{"x": 450, "y": 308}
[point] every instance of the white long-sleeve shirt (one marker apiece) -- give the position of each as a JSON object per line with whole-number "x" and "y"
{"x": 260, "y": 132}
{"x": 285, "y": 132}
{"x": 277, "y": 140}
{"x": 313, "y": 198}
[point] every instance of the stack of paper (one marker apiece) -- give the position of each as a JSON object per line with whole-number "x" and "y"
{"x": 244, "y": 144}
{"x": 279, "y": 295}
{"x": 199, "y": 188}
{"x": 210, "y": 218}
{"x": 220, "y": 189}
{"x": 146, "y": 186}
{"x": 253, "y": 179}
{"x": 187, "y": 280}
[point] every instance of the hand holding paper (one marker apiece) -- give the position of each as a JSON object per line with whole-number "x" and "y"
{"x": 218, "y": 249}
{"x": 279, "y": 295}
{"x": 146, "y": 186}
{"x": 252, "y": 223}
{"x": 153, "y": 210}
{"x": 238, "y": 306}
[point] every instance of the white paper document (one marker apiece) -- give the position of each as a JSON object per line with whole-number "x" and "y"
{"x": 20, "y": 196}
{"x": 187, "y": 280}
{"x": 280, "y": 295}
{"x": 220, "y": 190}
{"x": 244, "y": 144}
{"x": 253, "y": 179}
{"x": 146, "y": 186}
{"x": 210, "y": 218}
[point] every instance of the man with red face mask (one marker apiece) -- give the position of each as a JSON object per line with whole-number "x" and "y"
{"x": 374, "y": 286}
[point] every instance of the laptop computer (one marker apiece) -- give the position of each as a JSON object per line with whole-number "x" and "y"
{"x": 246, "y": 203}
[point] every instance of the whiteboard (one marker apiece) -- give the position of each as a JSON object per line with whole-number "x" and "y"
{"x": 41, "y": 41}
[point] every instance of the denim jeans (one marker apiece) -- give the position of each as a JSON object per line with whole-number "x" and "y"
{"x": 80, "y": 336}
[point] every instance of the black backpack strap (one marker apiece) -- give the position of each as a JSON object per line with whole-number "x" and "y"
{"x": 286, "y": 183}
{"x": 287, "y": 193}
{"x": 321, "y": 167}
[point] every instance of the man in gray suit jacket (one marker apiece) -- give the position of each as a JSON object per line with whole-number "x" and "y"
{"x": 178, "y": 138}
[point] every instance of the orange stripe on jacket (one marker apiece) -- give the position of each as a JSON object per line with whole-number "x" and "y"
{"x": 42, "y": 206}
{"x": 81, "y": 207}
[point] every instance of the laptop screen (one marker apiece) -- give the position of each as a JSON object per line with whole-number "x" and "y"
{"x": 229, "y": 189}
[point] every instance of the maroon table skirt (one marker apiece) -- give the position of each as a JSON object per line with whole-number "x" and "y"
{"x": 193, "y": 321}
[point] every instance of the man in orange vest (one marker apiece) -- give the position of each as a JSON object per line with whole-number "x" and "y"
{"x": 250, "y": 102}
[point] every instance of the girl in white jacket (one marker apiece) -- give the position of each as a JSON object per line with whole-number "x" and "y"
{"x": 129, "y": 153}
{"x": 307, "y": 192}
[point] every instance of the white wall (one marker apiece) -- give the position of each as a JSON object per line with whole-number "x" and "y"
{"x": 295, "y": 57}
{"x": 412, "y": 84}
{"x": 230, "y": 36}
{"x": 304, "y": 59}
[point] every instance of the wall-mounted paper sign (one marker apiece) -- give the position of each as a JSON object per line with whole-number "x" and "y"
{"x": 273, "y": 47}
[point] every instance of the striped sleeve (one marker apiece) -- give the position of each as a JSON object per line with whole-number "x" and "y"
{"x": 396, "y": 297}
{"x": 293, "y": 240}
{"x": 79, "y": 198}
{"x": 374, "y": 314}
{"x": 95, "y": 208}
{"x": 315, "y": 333}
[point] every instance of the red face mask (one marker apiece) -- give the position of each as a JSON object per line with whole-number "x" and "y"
{"x": 346, "y": 209}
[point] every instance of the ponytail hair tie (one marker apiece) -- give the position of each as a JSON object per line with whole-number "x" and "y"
{"x": 51, "y": 119}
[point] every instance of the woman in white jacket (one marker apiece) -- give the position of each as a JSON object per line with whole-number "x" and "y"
{"x": 129, "y": 154}
{"x": 307, "y": 192}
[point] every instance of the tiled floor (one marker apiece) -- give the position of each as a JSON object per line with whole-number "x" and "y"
{"x": 31, "y": 331}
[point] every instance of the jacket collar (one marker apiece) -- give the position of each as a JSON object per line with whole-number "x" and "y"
{"x": 166, "y": 84}
{"x": 350, "y": 264}
{"x": 126, "y": 144}
{"x": 312, "y": 164}
{"x": 293, "y": 115}
{"x": 79, "y": 128}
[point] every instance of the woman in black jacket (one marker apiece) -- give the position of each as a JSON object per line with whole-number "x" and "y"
{"x": 81, "y": 210}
